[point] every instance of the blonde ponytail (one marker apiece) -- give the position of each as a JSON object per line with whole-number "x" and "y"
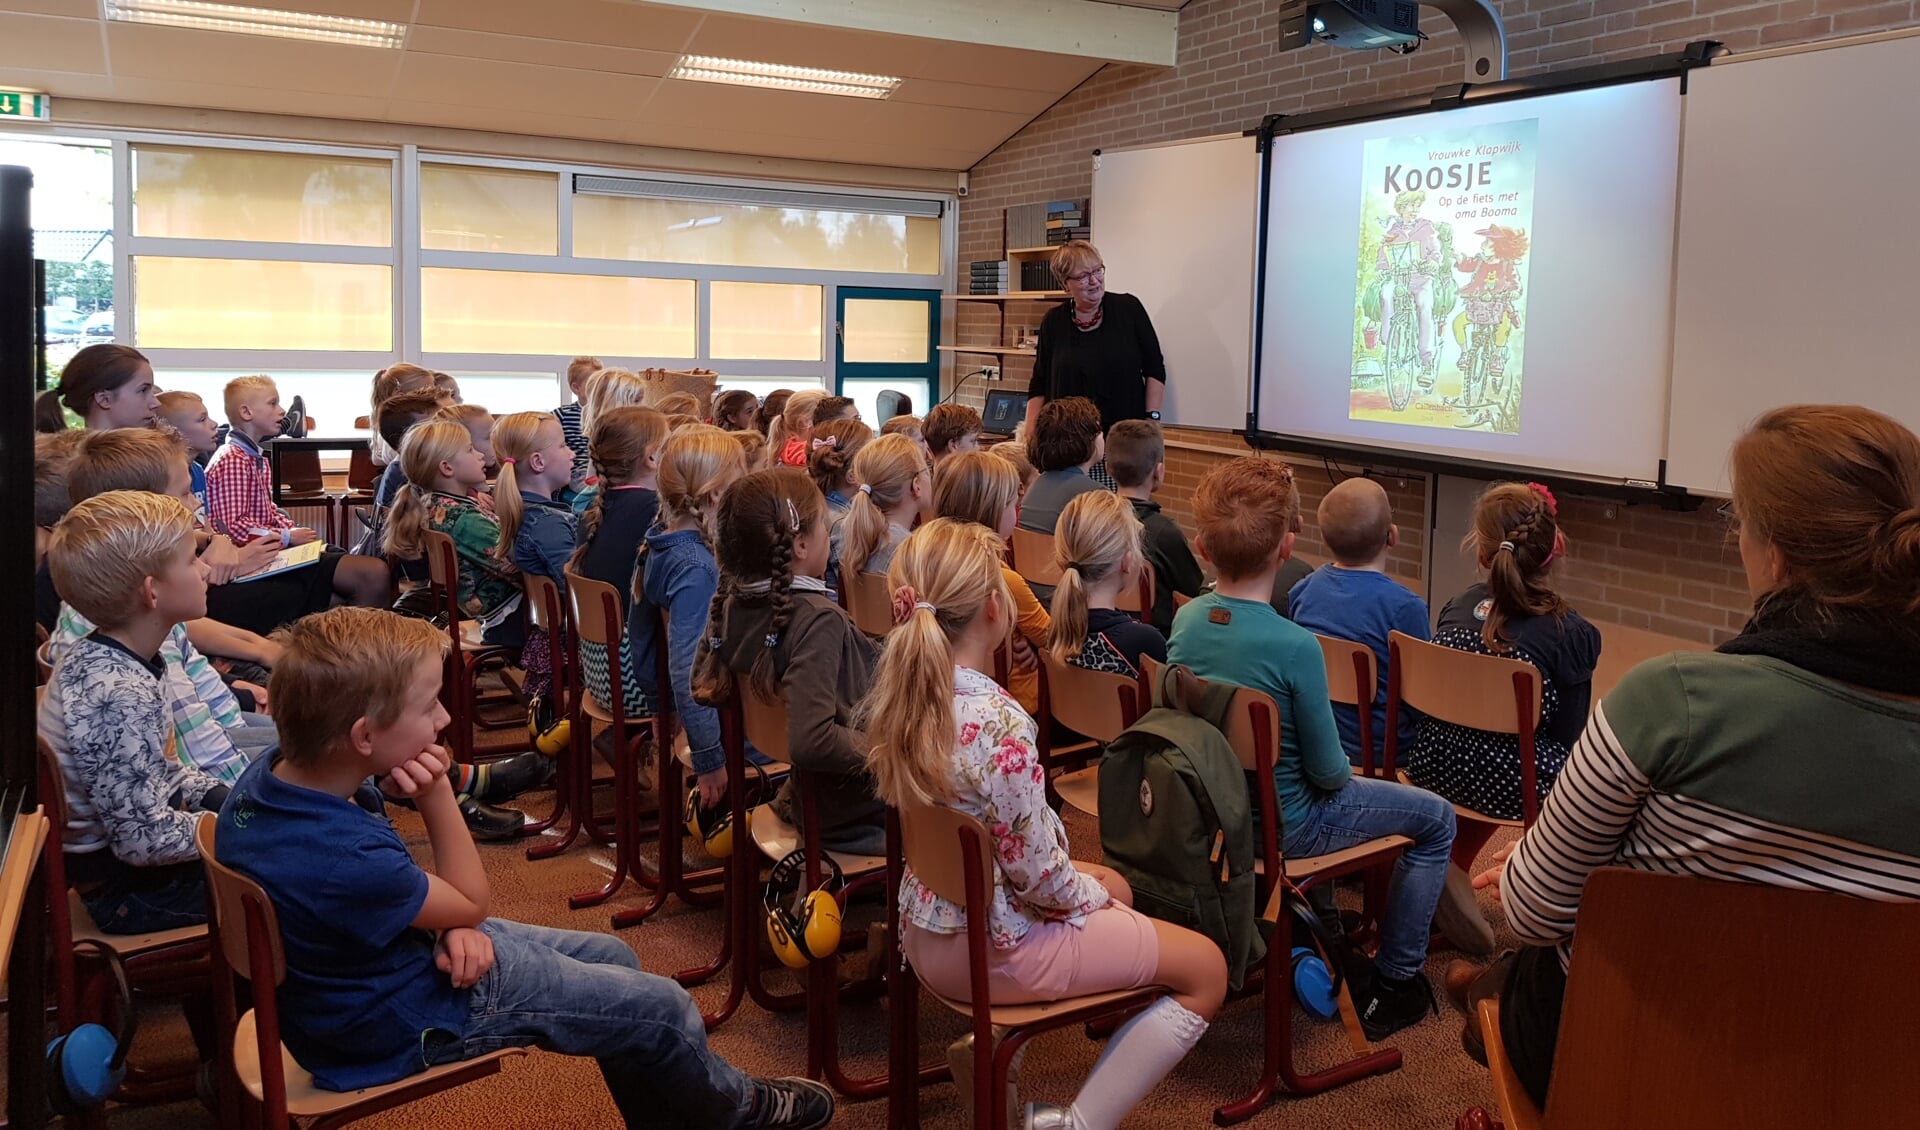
{"x": 952, "y": 569}
{"x": 427, "y": 445}
{"x": 515, "y": 437}
{"x": 885, "y": 469}
{"x": 1097, "y": 532}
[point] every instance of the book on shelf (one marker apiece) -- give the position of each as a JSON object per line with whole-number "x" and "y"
{"x": 1058, "y": 236}
{"x": 1065, "y": 205}
{"x": 1036, "y": 275}
{"x": 1026, "y": 225}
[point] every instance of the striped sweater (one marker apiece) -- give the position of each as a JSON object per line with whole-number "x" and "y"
{"x": 1740, "y": 768}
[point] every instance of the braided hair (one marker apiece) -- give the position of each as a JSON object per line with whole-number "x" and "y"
{"x": 1515, "y": 533}
{"x": 760, "y": 517}
{"x": 622, "y": 440}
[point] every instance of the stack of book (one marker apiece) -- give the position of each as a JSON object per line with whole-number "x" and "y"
{"x": 988, "y": 276}
{"x": 1037, "y": 274}
{"x": 1066, "y": 221}
{"x": 1027, "y": 226}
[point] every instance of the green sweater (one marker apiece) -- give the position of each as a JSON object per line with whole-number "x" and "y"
{"x": 1247, "y": 643}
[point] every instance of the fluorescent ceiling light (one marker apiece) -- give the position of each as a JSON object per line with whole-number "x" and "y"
{"x": 778, "y": 76}
{"x": 259, "y": 21}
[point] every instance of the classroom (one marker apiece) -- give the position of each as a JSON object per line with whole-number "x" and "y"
{"x": 959, "y": 563}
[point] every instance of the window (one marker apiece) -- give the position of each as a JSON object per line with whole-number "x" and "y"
{"x": 865, "y": 392}
{"x": 525, "y": 312}
{"x": 73, "y": 232}
{"x": 883, "y": 331}
{"x": 766, "y": 321}
{"x": 263, "y": 197}
{"x": 753, "y": 235}
{"x": 261, "y": 304}
{"x": 333, "y": 398}
{"x": 502, "y": 210}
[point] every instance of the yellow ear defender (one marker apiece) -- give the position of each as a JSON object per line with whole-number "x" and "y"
{"x": 713, "y": 827}
{"x": 550, "y": 736}
{"x": 810, "y": 930}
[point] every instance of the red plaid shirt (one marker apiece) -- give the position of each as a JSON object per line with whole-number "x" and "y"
{"x": 240, "y": 490}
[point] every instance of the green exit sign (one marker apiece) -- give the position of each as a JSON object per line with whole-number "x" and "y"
{"x": 33, "y": 107}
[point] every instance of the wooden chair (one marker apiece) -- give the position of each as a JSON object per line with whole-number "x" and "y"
{"x": 1033, "y": 557}
{"x": 763, "y": 722}
{"x": 599, "y": 619}
{"x": 467, "y": 659}
{"x": 1094, "y": 704}
{"x": 1726, "y": 1006}
{"x": 246, "y": 933}
{"x": 1138, "y": 598}
{"x": 1484, "y": 692}
{"x": 869, "y": 602}
{"x": 546, "y": 613}
{"x": 1253, "y": 730}
{"x": 302, "y": 483}
{"x": 1353, "y": 679}
{"x": 165, "y": 963}
{"x": 951, "y": 854}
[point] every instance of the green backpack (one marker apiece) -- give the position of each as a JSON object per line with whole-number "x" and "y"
{"x": 1175, "y": 820}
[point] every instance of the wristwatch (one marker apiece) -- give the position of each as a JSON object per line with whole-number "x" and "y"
{"x": 1153, "y": 415}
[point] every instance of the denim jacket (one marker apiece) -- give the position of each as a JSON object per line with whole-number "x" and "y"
{"x": 545, "y": 540}
{"x": 679, "y": 579}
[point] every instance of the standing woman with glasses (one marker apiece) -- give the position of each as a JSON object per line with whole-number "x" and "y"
{"x": 1099, "y": 345}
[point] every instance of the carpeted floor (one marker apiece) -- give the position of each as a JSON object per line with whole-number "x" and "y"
{"x": 1437, "y": 1083}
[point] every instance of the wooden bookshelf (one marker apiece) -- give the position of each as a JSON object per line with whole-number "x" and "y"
{"x": 1016, "y": 296}
{"x": 989, "y": 350}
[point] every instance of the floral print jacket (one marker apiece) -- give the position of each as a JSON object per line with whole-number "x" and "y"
{"x": 489, "y": 583}
{"x": 997, "y": 778}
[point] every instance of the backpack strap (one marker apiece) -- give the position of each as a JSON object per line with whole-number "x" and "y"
{"x": 1290, "y": 900}
{"x": 1180, "y": 689}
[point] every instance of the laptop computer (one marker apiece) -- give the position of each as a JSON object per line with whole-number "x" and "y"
{"x": 1003, "y": 412}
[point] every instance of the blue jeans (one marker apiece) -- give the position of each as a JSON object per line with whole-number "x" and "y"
{"x": 146, "y": 900}
{"x": 584, "y": 994}
{"x": 256, "y": 734}
{"x": 1366, "y": 809}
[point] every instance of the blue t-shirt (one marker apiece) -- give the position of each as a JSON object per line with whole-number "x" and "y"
{"x": 1363, "y": 606}
{"x": 1245, "y": 642}
{"x": 361, "y": 989}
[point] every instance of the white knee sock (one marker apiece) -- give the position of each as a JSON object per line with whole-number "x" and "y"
{"x": 1136, "y": 1058}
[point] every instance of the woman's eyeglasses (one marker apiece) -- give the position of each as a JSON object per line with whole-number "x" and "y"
{"x": 1088, "y": 276}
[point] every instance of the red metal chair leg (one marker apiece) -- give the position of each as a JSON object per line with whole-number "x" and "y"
{"x": 626, "y": 822}
{"x": 1469, "y": 838}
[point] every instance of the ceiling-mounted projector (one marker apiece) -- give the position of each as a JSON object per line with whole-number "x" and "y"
{"x": 1362, "y": 25}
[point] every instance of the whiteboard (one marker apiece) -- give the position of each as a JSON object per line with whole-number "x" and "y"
{"x": 1175, "y": 226}
{"x": 1798, "y": 273}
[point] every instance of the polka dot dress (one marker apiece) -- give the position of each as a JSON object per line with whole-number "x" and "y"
{"x": 1478, "y": 769}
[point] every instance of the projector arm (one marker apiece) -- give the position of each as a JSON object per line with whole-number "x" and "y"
{"x": 1484, "y": 36}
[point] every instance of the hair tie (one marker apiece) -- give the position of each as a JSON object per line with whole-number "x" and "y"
{"x": 919, "y": 604}
{"x": 830, "y": 441}
{"x": 1553, "y": 504}
{"x": 1506, "y": 545}
{"x": 866, "y": 489}
{"x": 1075, "y": 566}
{"x": 906, "y": 602}
{"x": 506, "y": 460}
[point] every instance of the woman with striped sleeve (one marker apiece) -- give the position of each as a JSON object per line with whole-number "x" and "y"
{"x": 1790, "y": 756}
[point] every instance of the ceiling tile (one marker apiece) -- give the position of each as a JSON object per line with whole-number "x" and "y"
{"x": 546, "y": 52}
{"x": 926, "y": 92}
{"x": 850, "y": 149}
{"x": 894, "y": 123}
{"x": 521, "y": 87}
{"x": 80, "y": 9}
{"x": 529, "y": 122}
{"x": 61, "y": 84}
{"x": 717, "y": 106}
{"x": 143, "y": 51}
{"x": 1001, "y": 66}
{"x": 604, "y": 22}
{"x": 51, "y": 43}
{"x": 396, "y": 11}
{"x": 806, "y": 45}
{"x": 250, "y": 99}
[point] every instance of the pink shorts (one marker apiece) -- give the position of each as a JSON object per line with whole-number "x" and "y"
{"x": 1116, "y": 949}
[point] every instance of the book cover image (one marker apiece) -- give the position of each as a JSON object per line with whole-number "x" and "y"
{"x": 1439, "y": 321}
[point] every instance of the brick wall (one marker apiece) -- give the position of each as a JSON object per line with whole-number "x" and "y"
{"x": 1674, "y": 574}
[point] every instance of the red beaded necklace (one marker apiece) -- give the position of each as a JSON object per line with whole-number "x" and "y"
{"x": 1090, "y": 323}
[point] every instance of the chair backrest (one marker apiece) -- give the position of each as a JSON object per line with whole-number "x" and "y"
{"x": 1353, "y": 679}
{"x": 1180, "y": 600}
{"x": 443, "y": 574}
{"x": 1033, "y": 557}
{"x": 362, "y": 475}
{"x": 764, "y": 720}
{"x": 930, "y": 841}
{"x": 869, "y": 603}
{"x": 597, "y": 614}
{"x": 300, "y": 471}
{"x": 1138, "y": 598}
{"x": 362, "y": 423}
{"x": 1094, "y": 703}
{"x": 542, "y": 602}
{"x": 1463, "y": 687}
{"x": 1253, "y": 722}
{"x": 1716, "y": 1005}
{"x": 233, "y": 899}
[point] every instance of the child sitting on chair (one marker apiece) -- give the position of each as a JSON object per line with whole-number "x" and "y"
{"x": 1097, "y": 547}
{"x": 943, "y": 734}
{"x": 392, "y": 969}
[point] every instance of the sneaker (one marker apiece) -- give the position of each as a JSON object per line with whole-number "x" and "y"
{"x": 791, "y": 1104}
{"x": 508, "y": 778}
{"x": 1392, "y": 1005}
{"x": 1046, "y": 1116}
{"x": 489, "y": 824}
